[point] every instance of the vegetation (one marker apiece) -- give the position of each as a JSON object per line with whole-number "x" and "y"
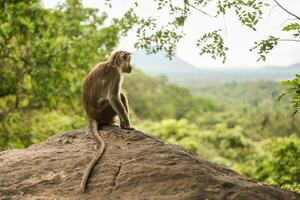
{"x": 43, "y": 63}
{"x": 294, "y": 91}
{"x": 44, "y": 57}
{"x": 153, "y": 35}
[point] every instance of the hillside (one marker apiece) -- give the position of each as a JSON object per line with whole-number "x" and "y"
{"x": 181, "y": 72}
{"x": 134, "y": 166}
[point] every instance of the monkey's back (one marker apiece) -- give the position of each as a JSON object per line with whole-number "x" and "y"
{"x": 95, "y": 87}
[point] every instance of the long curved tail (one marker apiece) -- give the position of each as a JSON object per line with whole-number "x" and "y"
{"x": 97, "y": 156}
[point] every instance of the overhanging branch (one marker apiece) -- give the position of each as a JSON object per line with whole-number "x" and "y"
{"x": 203, "y": 12}
{"x": 289, "y": 40}
{"x": 297, "y": 17}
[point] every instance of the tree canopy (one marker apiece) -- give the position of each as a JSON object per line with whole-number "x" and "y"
{"x": 153, "y": 35}
{"x": 45, "y": 53}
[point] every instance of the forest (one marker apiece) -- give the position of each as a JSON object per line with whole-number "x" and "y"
{"x": 46, "y": 53}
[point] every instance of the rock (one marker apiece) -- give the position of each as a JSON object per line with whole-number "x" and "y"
{"x": 134, "y": 166}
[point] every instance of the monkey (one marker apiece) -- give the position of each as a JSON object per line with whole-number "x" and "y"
{"x": 103, "y": 101}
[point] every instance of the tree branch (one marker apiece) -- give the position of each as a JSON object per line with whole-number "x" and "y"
{"x": 269, "y": 16}
{"x": 289, "y": 40}
{"x": 203, "y": 12}
{"x": 286, "y": 10}
{"x": 286, "y": 21}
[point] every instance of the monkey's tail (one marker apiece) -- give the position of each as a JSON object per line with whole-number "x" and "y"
{"x": 97, "y": 156}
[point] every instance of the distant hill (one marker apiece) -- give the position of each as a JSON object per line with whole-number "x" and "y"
{"x": 182, "y": 72}
{"x": 292, "y": 67}
{"x": 295, "y": 66}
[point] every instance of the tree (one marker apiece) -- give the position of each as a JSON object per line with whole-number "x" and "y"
{"x": 153, "y": 36}
{"x": 44, "y": 53}
{"x": 294, "y": 91}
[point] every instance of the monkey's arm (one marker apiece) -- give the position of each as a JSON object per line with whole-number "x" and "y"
{"x": 114, "y": 98}
{"x": 125, "y": 102}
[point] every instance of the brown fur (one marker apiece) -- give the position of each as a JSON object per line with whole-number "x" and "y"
{"x": 103, "y": 100}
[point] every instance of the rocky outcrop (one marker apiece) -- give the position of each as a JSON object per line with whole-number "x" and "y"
{"x": 134, "y": 166}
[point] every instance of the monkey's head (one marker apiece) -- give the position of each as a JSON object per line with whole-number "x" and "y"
{"x": 122, "y": 59}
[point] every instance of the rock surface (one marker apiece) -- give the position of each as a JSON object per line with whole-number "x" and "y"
{"x": 134, "y": 166}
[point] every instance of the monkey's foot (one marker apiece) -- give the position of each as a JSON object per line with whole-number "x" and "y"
{"x": 129, "y": 128}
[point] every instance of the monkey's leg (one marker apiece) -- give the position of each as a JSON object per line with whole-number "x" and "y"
{"x": 119, "y": 108}
{"x": 97, "y": 156}
{"x": 108, "y": 116}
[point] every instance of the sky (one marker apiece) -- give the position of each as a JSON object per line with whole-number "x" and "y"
{"x": 238, "y": 38}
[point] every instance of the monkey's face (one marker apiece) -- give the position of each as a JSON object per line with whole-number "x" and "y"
{"x": 126, "y": 66}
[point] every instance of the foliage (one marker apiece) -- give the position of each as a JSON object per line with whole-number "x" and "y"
{"x": 215, "y": 47}
{"x": 260, "y": 115}
{"x": 174, "y": 101}
{"x": 153, "y": 36}
{"x": 172, "y": 129}
{"x": 228, "y": 140}
{"x": 294, "y": 91}
{"x": 277, "y": 163}
{"x": 285, "y": 163}
{"x": 44, "y": 56}
{"x": 44, "y": 53}
{"x": 265, "y": 46}
{"x": 19, "y": 130}
{"x": 293, "y": 27}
